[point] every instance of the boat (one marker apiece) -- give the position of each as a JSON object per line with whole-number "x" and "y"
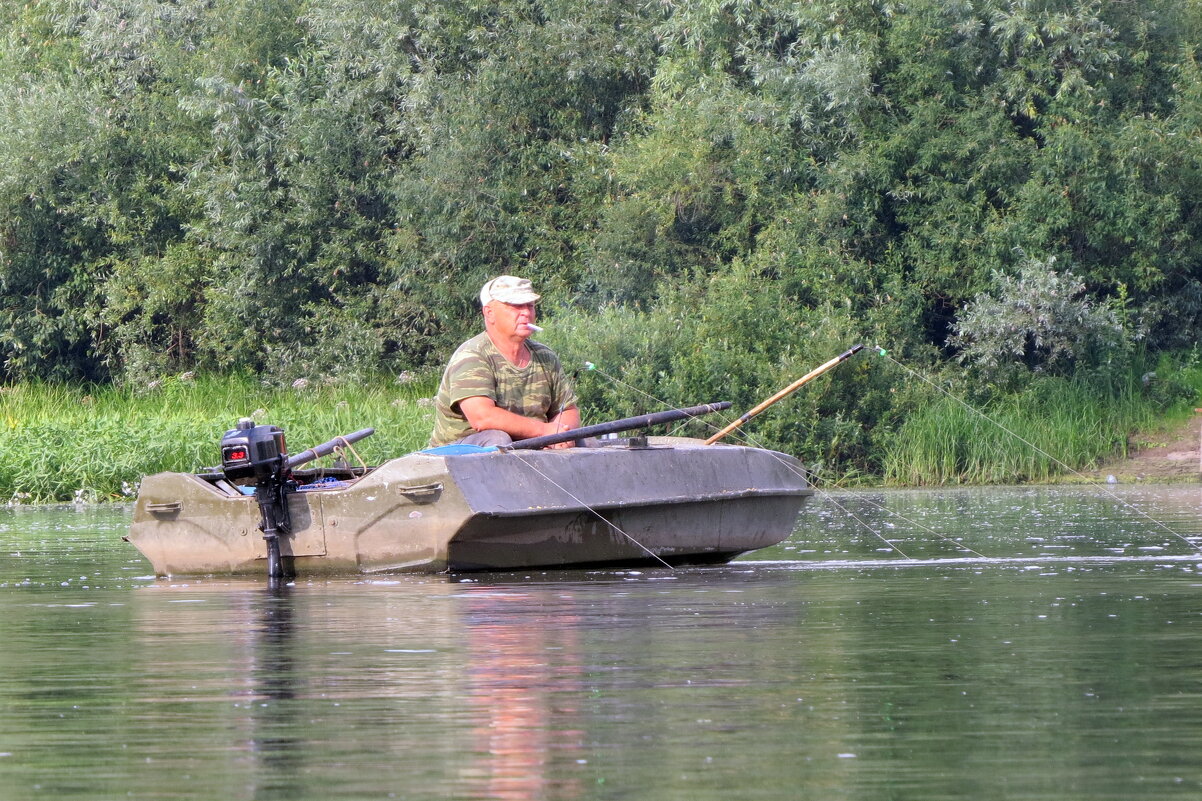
{"x": 631, "y": 501}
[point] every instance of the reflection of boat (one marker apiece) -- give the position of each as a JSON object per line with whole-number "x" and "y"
{"x": 635, "y": 501}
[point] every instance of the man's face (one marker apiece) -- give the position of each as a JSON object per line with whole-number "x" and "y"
{"x": 510, "y": 319}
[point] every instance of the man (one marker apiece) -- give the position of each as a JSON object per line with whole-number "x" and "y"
{"x": 500, "y": 385}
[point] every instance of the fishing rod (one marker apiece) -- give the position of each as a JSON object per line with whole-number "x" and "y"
{"x": 614, "y": 426}
{"x": 789, "y": 390}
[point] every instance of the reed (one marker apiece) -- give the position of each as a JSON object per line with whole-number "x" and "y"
{"x": 94, "y": 443}
{"x": 1057, "y": 427}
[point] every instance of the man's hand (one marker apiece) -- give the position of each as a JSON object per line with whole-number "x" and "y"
{"x": 566, "y": 420}
{"x": 558, "y": 426}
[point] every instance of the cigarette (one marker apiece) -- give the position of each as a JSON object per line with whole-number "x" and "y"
{"x": 535, "y": 328}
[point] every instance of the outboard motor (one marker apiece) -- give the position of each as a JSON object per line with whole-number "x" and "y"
{"x": 257, "y": 455}
{"x": 251, "y": 451}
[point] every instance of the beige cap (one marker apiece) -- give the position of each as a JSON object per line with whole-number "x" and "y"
{"x": 508, "y": 289}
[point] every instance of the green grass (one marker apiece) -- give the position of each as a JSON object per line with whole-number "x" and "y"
{"x": 63, "y": 443}
{"x": 1058, "y": 426}
{"x": 95, "y": 443}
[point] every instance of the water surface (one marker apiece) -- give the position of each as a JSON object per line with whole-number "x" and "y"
{"x": 870, "y": 656}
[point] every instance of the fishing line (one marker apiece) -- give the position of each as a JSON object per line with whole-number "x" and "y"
{"x": 567, "y": 492}
{"x": 943, "y": 537}
{"x": 593, "y": 511}
{"x": 813, "y": 478}
{"x": 615, "y": 380}
{"x": 859, "y": 564}
{"x": 885, "y": 354}
{"x": 341, "y": 449}
{"x": 830, "y": 499}
{"x": 808, "y": 475}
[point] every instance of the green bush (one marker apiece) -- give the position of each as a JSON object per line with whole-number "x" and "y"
{"x": 1039, "y": 321}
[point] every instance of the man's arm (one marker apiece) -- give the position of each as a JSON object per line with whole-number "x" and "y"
{"x": 483, "y": 414}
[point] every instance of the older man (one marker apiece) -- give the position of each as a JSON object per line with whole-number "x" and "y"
{"x": 500, "y": 385}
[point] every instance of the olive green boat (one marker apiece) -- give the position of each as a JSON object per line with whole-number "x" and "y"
{"x": 625, "y": 502}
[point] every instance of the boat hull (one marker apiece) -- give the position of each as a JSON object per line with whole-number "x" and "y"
{"x": 675, "y": 501}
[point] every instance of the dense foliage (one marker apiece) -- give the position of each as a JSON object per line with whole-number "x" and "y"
{"x": 714, "y": 196}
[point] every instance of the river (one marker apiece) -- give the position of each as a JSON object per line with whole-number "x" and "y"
{"x": 1021, "y": 643}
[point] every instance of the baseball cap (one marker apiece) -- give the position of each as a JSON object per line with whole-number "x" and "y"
{"x": 508, "y": 289}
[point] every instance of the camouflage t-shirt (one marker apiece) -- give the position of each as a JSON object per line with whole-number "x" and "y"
{"x": 477, "y": 369}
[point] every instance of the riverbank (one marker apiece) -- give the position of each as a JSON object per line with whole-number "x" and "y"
{"x": 92, "y": 444}
{"x": 1167, "y": 456}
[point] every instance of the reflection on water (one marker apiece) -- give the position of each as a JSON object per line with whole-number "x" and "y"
{"x": 523, "y": 682}
{"x": 1119, "y": 520}
{"x": 1060, "y": 662}
{"x": 276, "y": 725}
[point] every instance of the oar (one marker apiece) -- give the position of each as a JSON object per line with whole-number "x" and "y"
{"x": 789, "y": 390}
{"x": 625, "y": 424}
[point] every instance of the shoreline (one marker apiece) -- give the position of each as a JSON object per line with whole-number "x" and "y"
{"x": 1171, "y": 456}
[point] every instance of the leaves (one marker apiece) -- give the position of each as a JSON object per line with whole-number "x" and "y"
{"x": 302, "y": 187}
{"x": 1042, "y": 320}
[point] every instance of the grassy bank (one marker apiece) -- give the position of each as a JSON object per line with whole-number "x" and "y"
{"x": 1053, "y": 429}
{"x": 1023, "y": 439}
{"x": 92, "y": 444}
{"x": 61, "y": 443}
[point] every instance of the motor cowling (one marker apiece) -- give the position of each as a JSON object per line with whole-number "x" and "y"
{"x": 252, "y": 453}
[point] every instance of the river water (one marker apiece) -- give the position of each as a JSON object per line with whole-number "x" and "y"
{"x": 868, "y": 657}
